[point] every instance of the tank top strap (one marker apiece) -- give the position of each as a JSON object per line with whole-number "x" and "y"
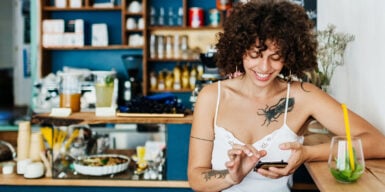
{"x": 286, "y": 102}
{"x": 218, "y": 97}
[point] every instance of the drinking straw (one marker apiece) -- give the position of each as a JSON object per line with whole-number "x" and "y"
{"x": 348, "y": 136}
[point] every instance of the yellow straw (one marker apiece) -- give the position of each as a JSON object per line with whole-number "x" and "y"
{"x": 348, "y": 136}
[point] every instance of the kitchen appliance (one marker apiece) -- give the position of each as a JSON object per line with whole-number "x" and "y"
{"x": 210, "y": 73}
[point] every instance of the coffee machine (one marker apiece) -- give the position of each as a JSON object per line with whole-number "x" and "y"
{"x": 210, "y": 73}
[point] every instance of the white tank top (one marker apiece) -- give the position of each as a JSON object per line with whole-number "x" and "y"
{"x": 253, "y": 181}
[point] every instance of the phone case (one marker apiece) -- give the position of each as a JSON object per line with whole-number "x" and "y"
{"x": 266, "y": 165}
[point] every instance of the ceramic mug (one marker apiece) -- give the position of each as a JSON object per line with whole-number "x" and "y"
{"x": 135, "y": 7}
{"x": 131, "y": 23}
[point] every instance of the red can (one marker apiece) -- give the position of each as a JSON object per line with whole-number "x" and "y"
{"x": 196, "y": 17}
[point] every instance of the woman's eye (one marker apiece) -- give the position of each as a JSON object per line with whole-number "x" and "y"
{"x": 275, "y": 57}
{"x": 254, "y": 54}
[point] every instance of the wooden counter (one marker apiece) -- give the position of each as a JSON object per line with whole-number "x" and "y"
{"x": 90, "y": 118}
{"x": 372, "y": 180}
{"x": 18, "y": 180}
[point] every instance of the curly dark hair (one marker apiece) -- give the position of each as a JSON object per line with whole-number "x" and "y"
{"x": 283, "y": 22}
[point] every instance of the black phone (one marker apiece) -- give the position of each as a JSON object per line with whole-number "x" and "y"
{"x": 266, "y": 165}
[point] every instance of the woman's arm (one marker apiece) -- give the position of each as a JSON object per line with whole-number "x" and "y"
{"x": 328, "y": 112}
{"x": 200, "y": 174}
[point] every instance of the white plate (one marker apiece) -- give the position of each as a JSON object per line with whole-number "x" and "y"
{"x": 101, "y": 170}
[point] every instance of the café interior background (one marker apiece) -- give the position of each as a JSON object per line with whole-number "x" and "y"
{"x": 359, "y": 83}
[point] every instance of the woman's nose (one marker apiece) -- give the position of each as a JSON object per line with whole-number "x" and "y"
{"x": 264, "y": 64}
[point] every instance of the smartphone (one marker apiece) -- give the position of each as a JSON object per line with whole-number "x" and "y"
{"x": 266, "y": 165}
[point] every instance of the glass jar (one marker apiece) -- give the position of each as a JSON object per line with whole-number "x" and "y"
{"x": 70, "y": 92}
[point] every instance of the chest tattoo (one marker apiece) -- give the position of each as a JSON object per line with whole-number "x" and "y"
{"x": 273, "y": 112}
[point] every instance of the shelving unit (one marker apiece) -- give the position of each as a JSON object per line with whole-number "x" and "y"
{"x": 53, "y": 58}
{"x": 198, "y": 37}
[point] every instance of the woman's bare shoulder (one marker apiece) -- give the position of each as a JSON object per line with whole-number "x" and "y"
{"x": 304, "y": 88}
{"x": 208, "y": 95}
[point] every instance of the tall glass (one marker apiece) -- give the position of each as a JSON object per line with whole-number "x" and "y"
{"x": 104, "y": 88}
{"x": 340, "y": 162}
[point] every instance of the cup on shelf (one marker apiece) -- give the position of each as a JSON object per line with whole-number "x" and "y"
{"x": 135, "y": 7}
{"x": 131, "y": 23}
{"x": 140, "y": 23}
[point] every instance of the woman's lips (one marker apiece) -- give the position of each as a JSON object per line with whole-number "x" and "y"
{"x": 262, "y": 76}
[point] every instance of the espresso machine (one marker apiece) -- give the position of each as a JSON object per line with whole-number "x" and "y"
{"x": 210, "y": 73}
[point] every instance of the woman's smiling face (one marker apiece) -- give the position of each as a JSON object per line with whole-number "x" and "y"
{"x": 263, "y": 67}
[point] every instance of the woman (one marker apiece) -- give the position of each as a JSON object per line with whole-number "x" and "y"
{"x": 260, "y": 115}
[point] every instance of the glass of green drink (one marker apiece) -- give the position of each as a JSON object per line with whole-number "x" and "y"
{"x": 104, "y": 88}
{"x": 346, "y": 163}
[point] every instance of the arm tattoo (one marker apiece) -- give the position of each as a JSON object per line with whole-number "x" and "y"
{"x": 272, "y": 113}
{"x": 203, "y": 139}
{"x": 215, "y": 173}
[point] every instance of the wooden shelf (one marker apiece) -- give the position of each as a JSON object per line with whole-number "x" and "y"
{"x": 172, "y": 60}
{"x": 179, "y": 28}
{"x": 134, "y": 30}
{"x": 52, "y": 8}
{"x": 172, "y": 90}
{"x": 134, "y": 14}
{"x": 89, "y": 47}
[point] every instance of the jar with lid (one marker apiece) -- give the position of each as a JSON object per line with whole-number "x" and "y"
{"x": 224, "y": 5}
{"x": 70, "y": 91}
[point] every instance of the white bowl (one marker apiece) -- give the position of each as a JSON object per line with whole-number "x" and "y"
{"x": 101, "y": 170}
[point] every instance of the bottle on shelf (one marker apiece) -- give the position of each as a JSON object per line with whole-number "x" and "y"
{"x": 169, "y": 44}
{"x": 171, "y": 17}
{"x": 185, "y": 77}
{"x": 176, "y": 47}
{"x": 153, "y": 81}
{"x": 193, "y": 77}
{"x": 153, "y": 46}
{"x": 177, "y": 77}
{"x": 160, "y": 45}
{"x": 180, "y": 17}
{"x": 161, "y": 83}
{"x": 153, "y": 16}
{"x": 161, "y": 17}
{"x": 169, "y": 81}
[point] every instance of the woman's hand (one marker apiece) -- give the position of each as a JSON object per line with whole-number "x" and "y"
{"x": 296, "y": 159}
{"x": 243, "y": 159}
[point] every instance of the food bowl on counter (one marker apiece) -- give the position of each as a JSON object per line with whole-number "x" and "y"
{"x": 98, "y": 165}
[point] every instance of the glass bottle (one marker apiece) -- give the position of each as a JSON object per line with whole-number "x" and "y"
{"x": 160, "y": 45}
{"x": 153, "y": 81}
{"x": 153, "y": 16}
{"x": 161, "y": 17}
{"x": 170, "y": 17}
{"x": 193, "y": 77}
{"x": 169, "y": 46}
{"x": 161, "y": 85}
{"x": 180, "y": 17}
{"x": 185, "y": 77}
{"x": 169, "y": 80}
{"x": 177, "y": 77}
